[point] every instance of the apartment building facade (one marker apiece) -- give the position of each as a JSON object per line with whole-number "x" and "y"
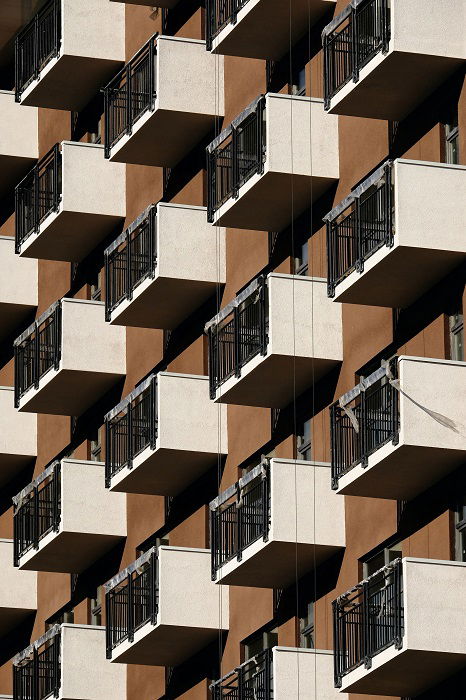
{"x": 232, "y": 375}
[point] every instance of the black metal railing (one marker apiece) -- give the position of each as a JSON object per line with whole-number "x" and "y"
{"x": 357, "y": 35}
{"x": 239, "y": 517}
{"x": 131, "y": 427}
{"x": 235, "y": 156}
{"x": 38, "y": 195}
{"x": 131, "y": 600}
{"x": 36, "y": 45}
{"x": 359, "y": 229}
{"x": 219, "y": 13}
{"x": 368, "y": 619}
{"x": 130, "y": 259}
{"x": 37, "y": 350}
{"x": 37, "y": 675}
{"x": 250, "y": 681}
{"x": 362, "y": 425}
{"x": 130, "y": 94}
{"x": 37, "y": 511}
{"x": 240, "y": 334}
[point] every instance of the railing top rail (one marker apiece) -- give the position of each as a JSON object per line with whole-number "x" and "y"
{"x": 386, "y": 370}
{"x": 41, "y": 164}
{"x": 134, "y": 60}
{"x": 30, "y": 330}
{"x": 260, "y": 470}
{"x": 237, "y": 301}
{"x": 123, "y": 237}
{"x": 26, "y": 655}
{"x": 130, "y": 398}
{"x": 366, "y": 184}
{"x": 49, "y": 472}
{"x": 347, "y": 597}
{"x": 340, "y": 18}
{"x": 42, "y": 11}
{"x": 134, "y": 566}
{"x": 235, "y": 123}
{"x": 253, "y": 661}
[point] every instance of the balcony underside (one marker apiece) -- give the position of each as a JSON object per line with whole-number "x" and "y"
{"x": 271, "y": 381}
{"x": 264, "y": 28}
{"x": 11, "y": 618}
{"x": 164, "y": 645}
{"x": 162, "y": 137}
{"x": 403, "y": 673}
{"x": 67, "y": 392}
{"x": 163, "y": 472}
{"x": 400, "y": 472}
{"x": 149, "y": 308}
{"x": 392, "y": 85}
{"x": 67, "y": 552}
{"x": 12, "y": 316}
{"x": 273, "y": 564}
{"x": 69, "y": 82}
{"x": 270, "y": 202}
{"x": 68, "y": 235}
{"x": 396, "y": 277}
{"x": 12, "y": 170}
{"x": 12, "y": 465}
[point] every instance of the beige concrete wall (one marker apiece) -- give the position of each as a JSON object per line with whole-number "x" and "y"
{"x": 23, "y": 271}
{"x": 187, "y": 418}
{"x": 85, "y": 672}
{"x": 18, "y": 588}
{"x": 304, "y": 674}
{"x": 188, "y": 247}
{"x": 189, "y": 78}
{"x": 303, "y": 320}
{"x": 18, "y": 431}
{"x": 19, "y": 134}
{"x": 304, "y": 508}
{"x": 437, "y": 385}
{"x": 90, "y": 183}
{"x": 187, "y": 595}
{"x": 435, "y": 605}
{"x": 94, "y": 28}
{"x": 301, "y": 138}
{"x": 88, "y": 343}
{"x": 430, "y": 205}
{"x": 84, "y": 499}
{"x": 429, "y": 27}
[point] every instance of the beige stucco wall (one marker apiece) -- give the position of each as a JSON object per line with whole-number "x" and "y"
{"x": 187, "y": 418}
{"x": 94, "y": 28}
{"x": 18, "y": 589}
{"x": 22, "y": 270}
{"x": 18, "y": 431}
{"x": 304, "y": 490}
{"x": 303, "y": 320}
{"x": 303, "y": 674}
{"x": 85, "y": 672}
{"x": 429, "y": 27}
{"x": 84, "y": 499}
{"x": 88, "y": 343}
{"x": 187, "y": 595}
{"x": 189, "y": 78}
{"x": 188, "y": 247}
{"x": 301, "y": 138}
{"x": 19, "y": 132}
{"x": 91, "y": 184}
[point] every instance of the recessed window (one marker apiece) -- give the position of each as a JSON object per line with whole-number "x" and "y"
{"x": 96, "y": 446}
{"x": 460, "y": 543}
{"x": 306, "y": 628}
{"x": 298, "y": 86}
{"x": 303, "y": 441}
{"x": 452, "y": 138}
{"x": 264, "y": 640}
{"x": 96, "y": 607}
{"x": 456, "y": 329}
{"x": 301, "y": 259}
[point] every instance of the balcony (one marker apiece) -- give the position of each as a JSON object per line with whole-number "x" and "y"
{"x": 18, "y": 437}
{"x": 18, "y": 288}
{"x": 163, "y": 102}
{"x": 68, "y": 662}
{"x": 254, "y": 542}
{"x": 169, "y": 252}
{"x": 58, "y": 522}
{"x": 399, "y": 431}
{"x": 261, "y": 354}
{"x": 401, "y": 631}
{"x": 382, "y": 58}
{"x": 67, "y": 52}
{"x": 69, "y": 202}
{"x": 397, "y": 234}
{"x": 19, "y": 138}
{"x": 281, "y": 673}
{"x": 266, "y": 153}
{"x": 164, "y": 608}
{"x": 164, "y": 435}
{"x": 260, "y": 28}
{"x": 18, "y": 593}
{"x": 68, "y": 358}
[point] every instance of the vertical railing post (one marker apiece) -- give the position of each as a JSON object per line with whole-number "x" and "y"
{"x": 108, "y": 454}
{"x": 153, "y": 417}
{"x": 388, "y": 204}
{"x": 108, "y": 624}
{"x": 263, "y": 314}
{"x": 260, "y": 135}
{"x": 129, "y": 435}
{"x": 130, "y": 604}
{"x": 129, "y": 104}
{"x": 129, "y": 261}
{"x": 108, "y": 297}
{"x": 234, "y": 163}
{"x": 214, "y": 542}
{"x": 366, "y": 625}
{"x": 237, "y": 341}
{"x": 153, "y": 588}
{"x": 265, "y": 493}
{"x": 212, "y": 337}
{"x": 35, "y": 518}
{"x": 56, "y": 513}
